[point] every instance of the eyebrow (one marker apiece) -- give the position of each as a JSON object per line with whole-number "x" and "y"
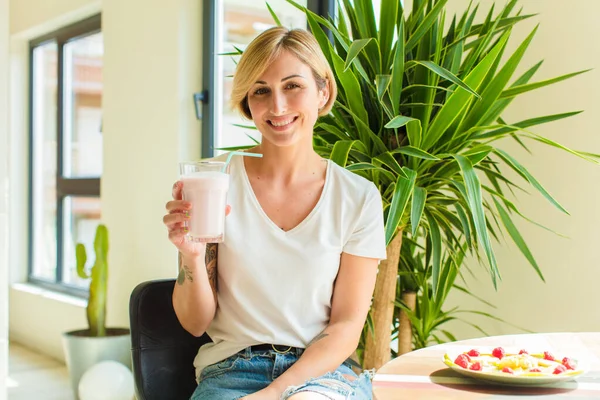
{"x": 284, "y": 79}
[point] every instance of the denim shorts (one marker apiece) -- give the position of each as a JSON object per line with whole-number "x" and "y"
{"x": 250, "y": 371}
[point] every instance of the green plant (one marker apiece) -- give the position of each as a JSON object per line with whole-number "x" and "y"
{"x": 427, "y": 317}
{"x": 96, "y": 307}
{"x": 419, "y": 113}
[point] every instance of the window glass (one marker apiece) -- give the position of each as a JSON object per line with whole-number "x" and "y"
{"x": 44, "y": 107}
{"x": 242, "y": 22}
{"x": 83, "y": 107}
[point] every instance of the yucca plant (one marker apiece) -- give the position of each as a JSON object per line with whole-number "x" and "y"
{"x": 419, "y": 113}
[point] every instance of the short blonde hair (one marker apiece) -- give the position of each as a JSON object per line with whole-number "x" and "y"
{"x": 265, "y": 48}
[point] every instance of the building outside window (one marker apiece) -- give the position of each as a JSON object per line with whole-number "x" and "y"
{"x": 65, "y": 151}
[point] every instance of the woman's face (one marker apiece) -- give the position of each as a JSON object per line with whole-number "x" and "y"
{"x": 285, "y": 101}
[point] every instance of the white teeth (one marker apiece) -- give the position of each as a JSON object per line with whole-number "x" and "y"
{"x": 282, "y": 123}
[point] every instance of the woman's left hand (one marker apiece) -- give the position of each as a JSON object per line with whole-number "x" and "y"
{"x": 265, "y": 394}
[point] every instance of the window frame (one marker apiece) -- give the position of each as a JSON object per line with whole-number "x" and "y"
{"x": 65, "y": 186}
{"x": 210, "y": 83}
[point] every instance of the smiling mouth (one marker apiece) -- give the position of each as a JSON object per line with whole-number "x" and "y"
{"x": 282, "y": 123}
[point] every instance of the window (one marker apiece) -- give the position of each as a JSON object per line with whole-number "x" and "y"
{"x": 65, "y": 151}
{"x": 231, "y": 24}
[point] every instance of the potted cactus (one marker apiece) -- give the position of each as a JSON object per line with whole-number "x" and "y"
{"x": 86, "y": 347}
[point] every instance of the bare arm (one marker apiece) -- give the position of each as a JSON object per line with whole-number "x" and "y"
{"x": 352, "y": 294}
{"x": 195, "y": 293}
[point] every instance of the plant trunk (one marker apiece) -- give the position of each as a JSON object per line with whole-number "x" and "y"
{"x": 409, "y": 298}
{"x": 377, "y": 347}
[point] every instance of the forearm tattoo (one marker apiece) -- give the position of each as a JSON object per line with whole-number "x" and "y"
{"x": 184, "y": 272}
{"x": 210, "y": 259}
{"x": 211, "y": 265}
{"x": 317, "y": 338}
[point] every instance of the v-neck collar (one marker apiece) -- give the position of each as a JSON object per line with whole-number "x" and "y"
{"x": 252, "y": 195}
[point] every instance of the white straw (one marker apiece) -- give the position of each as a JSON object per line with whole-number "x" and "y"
{"x": 238, "y": 153}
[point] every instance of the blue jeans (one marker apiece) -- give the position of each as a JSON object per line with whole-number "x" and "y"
{"x": 248, "y": 372}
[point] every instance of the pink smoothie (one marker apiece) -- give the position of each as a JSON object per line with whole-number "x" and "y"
{"x": 207, "y": 191}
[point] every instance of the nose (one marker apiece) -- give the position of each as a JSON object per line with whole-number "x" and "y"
{"x": 278, "y": 103}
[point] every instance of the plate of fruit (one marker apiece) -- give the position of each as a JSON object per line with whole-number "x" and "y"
{"x": 519, "y": 368}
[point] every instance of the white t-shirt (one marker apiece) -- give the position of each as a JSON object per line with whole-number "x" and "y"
{"x": 276, "y": 286}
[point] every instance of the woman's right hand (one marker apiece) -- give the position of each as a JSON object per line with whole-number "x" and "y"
{"x": 178, "y": 213}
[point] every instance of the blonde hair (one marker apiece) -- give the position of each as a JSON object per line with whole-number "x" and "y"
{"x": 265, "y": 48}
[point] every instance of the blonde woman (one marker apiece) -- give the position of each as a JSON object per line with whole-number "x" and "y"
{"x": 285, "y": 297}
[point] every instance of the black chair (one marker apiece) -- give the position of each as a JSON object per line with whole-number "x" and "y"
{"x": 162, "y": 351}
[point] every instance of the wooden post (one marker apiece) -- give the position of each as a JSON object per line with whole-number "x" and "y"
{"x": 409, "y": 298}
{"x": 377, "y": 347}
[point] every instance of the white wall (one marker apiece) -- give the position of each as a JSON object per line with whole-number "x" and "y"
{"x": 3, "y": 196}
{"x": 151, "y": 68}
{"x": 566, "y": 41}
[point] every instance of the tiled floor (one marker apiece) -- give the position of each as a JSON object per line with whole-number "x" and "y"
{"x": 34, "y": 376}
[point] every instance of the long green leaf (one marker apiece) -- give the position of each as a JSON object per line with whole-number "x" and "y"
{"x": 425, "y": 26}
{"x": 414, "y": 133}
{"x": 398, "y": 122}
{"x": 340, "y": 151}
{"x": 382, "y": 82}
{"x": 334, "y": 130}
{"x": 402, "y": 194}
{"x": 364, "y": 128}
{"x": 474, "y": 198}
{"x": 517, "y": 238}
{"x": 459, "y": 100}
{"x": 355, "y": 48}
{"x": 436, "y": 241}
{"x": 275, "y": 18}
{"x": 524, "y": 124}
{"x": 500, "y": 105}
{"x": 466, "y": 226}
{"x": 516, "y": 90}
{"x": 494, "y": 89}
{"x": 366, "y": 21}
{"x": 389, "y": 160}
{"x": 362, "y": 166}
{"x": 418, "y": 205}
{"x": 387, "y": 22}
{"x": 444, "y": 73}
{"x": 415, "y": 152}
{"x": 398, "y": 70}
{"x": 521, "y": 170}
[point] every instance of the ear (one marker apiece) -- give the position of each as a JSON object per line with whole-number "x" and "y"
{"x": 324, "y": 94}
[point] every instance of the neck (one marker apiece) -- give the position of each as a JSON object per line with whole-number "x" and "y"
{"x": 284, "y": 163}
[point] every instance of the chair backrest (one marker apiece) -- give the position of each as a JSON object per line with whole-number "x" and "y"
{"x": 162, "y": 351}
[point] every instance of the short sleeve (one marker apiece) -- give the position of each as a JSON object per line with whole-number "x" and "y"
{"x": 368, "y": 237}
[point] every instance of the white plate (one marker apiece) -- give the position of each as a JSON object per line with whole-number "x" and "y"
{"x": 531, "y": 379}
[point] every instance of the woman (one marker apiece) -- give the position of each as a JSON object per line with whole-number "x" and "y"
{"x": 286, "y": 299}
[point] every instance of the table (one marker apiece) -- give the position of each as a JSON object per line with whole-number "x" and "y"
{"x": 422, "y": 375}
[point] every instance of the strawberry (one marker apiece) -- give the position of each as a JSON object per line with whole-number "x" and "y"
{"x": 508, "y": 370}
{"x": 559, "y": 370}
{"x": 476, "y": 366}
{"x": 568, "y": 363}
{"x": 473, "y": 353}
{"x": 462, "y": 361}
{"x": 548, "y": 356}
{"x": 535, "y": 370}
{"x": 523, "y": 352}
{"x": 498, "y": 352}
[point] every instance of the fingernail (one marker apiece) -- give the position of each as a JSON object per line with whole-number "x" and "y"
{"x": 186, "y": 230}
{"x": 187, "y": 214}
